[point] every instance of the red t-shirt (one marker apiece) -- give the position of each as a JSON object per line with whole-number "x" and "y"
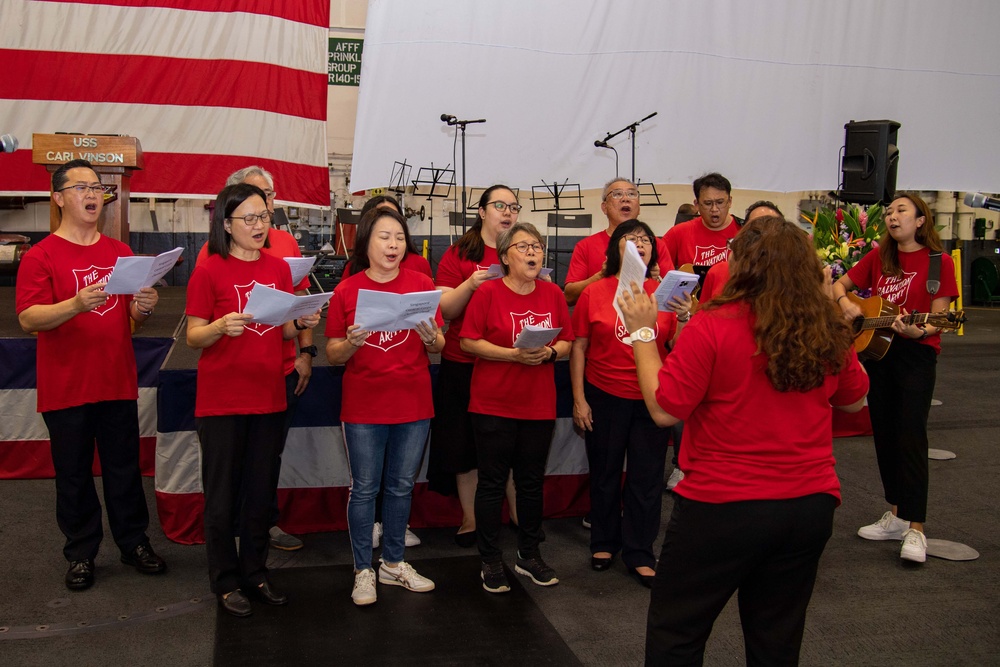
{"x": 497, "y": 314}
{"x": 715, "y": 280}
{"x": 610, "y": 360}
{"x": 89, "y": 358}
{"x": 909, "y": 291}
{"x": 283, "y": 245}
{"x": 242, "y": 375}
{"x": 410, "y": 261}
{"x": 452, "y": 272}
{"x": 589, "y": 255}
{"x": 743, "y": 440}
{"x": 694, "y": 243}
{"x": 388, "y": 380}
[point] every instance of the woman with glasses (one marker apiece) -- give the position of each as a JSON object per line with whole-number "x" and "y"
{"x": 608, "y": 408}
{"x": 754, "y": 377}
{"x": 462, "y": 271}
{"x": 386, "y": 406}
{"x": 513, "y": 399}
{"x": 240, "y": 402}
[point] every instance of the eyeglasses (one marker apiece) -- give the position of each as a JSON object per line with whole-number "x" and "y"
{"x": 251, "y": 219}
{"x": 269, "y": 194}
{"x": 84, "y": 189}
{"x": 639, "y": 240}
{"x": 623, "y": 194}
{"x": 501, "y": 206}
{"x": 715, "y": 203}
{"x": 523, "y": 247}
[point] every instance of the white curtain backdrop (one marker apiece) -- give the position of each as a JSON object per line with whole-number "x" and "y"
{"x": 759, "y": 91}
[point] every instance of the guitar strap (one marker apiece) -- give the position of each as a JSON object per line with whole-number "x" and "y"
{"x": 934, "y": 273}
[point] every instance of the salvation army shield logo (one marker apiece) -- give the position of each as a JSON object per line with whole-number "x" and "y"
{"x": 242, "y": 294}
{"x": 709, "y": 255}
{"x": 895, "y": 289}
{"x": 386, "y": 340}
{"x": 521, "y": 320}
{"x": 96, "y": 274}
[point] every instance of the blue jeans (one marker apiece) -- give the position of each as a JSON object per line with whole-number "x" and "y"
{"x": 401, "y": 448}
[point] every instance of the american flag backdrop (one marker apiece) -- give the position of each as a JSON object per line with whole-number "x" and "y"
{"x": 207, "y": 86}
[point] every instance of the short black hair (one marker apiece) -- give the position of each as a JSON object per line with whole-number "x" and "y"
{"x": 713, "y": 180}
{"x": 762, "y": 203}
{"x": 229, "y": 200}
{"x": 59, "y": 177}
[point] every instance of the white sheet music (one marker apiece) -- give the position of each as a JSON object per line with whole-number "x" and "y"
{"x": 535, "y": 336}
{"x": 388, "y": 311}
{"x": 133, "y": 273}
{"x": 274, "y": 307}
{"x": 675, "y": 284}
{"x": 633, "y": 269}
{"x": 300, "y": 267}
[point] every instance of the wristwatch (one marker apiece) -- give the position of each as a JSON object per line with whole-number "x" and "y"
{"x": 643, "y": 335}
{"x": 553, "y": 355}
{"x": 310, "y": 350}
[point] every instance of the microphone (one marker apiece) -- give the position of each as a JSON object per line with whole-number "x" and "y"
{"x": 601, "y": 144}
{"x": 447, "y": 118}
{"x": 8, "y": 143}
{"x": 979, "y": 200}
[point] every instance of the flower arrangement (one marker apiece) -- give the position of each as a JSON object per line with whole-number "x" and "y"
{"x": 842, "y": 236}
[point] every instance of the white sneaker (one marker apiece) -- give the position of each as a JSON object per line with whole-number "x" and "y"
{"x": 914, "y": 546}
{"x": 889, "y": 527}
{"x": 404, "y": 575}
{"x": 376, "y": 534}
{"x": 411, "y": 540}
{"x": 364, "y": 588}
{"x": 675, "y": 477}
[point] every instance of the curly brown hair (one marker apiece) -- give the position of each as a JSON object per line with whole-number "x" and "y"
{"x": 775, "y": 272}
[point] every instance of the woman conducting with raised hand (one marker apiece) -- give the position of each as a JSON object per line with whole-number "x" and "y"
{"x": 513, "y": 399}
{"x": 753, "y": 377}
{"x": 386, "y": 407}
{"x": 240, "y": 401}
{"x": 903, "y": 380}
{"x": 463, "y": 269}
{"x": 608, "y": 407}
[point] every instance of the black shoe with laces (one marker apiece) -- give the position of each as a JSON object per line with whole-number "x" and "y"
{"x": 494, "y": 578}
{"x": 535, "y": 569}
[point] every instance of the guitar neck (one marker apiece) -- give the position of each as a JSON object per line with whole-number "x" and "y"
{"x": 886, "y": 321}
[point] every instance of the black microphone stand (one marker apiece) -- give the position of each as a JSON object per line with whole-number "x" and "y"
{"x": 462, "y": 124}
{"x": 603, "y": 143}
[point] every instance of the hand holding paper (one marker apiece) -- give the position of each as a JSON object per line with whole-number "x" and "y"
{"x": 673, "y": 289}
{"x": 274, "y": 307}
{"x": 388, "y": 311}
{"x": 536, "y": 336}
{"x": 133, "y": 273}
{"x": 633, "y": 270}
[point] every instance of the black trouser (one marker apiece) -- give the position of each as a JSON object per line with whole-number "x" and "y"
{"x": 72, "y": 433}
{"x": 768, "y": 550}
{"x": 623, "y": 426}
{"x": 502, "y": 445}
{"x": 239, "y": 474}
{"x": 899, "y": 402}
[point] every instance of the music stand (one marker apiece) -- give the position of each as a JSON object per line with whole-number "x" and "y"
{"x": 346, "y": 216}
{"x": 463, "y": 221}
{"x": 556, "y": 197}
{"x": 398, "y": 180}
{"x": 433, "y": 182}
{"x": 648, "y": 196}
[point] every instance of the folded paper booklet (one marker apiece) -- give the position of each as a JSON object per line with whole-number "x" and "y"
{"x": 300, "y": 266}
{"x": 675, "y": 284}
{"x": 388, "y": 311}
{"x": 274, "y": 307}
{"x": 536, "y": 336}
{"x": 133, "y": 273}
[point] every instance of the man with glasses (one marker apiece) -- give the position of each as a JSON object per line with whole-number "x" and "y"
{"x": 297, "y": 364}
{"x": 704, "y": 240}
{"x": 87, "y": 383}
{"x": 619, "y": 202}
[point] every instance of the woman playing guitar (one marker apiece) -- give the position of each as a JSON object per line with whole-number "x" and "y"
{"x": 902, "y": 382}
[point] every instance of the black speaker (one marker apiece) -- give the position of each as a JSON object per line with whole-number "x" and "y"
{"x": 869, "y": 164}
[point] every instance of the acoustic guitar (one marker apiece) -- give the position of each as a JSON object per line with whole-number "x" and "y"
{"x": 872, "y": 329}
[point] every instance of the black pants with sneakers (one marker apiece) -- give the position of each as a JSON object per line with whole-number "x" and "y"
{"x": 767, "y": 550}
{"x": 114, "y": 425}
{"x": 502, "y": 445}
{"x": 899, "y": 402}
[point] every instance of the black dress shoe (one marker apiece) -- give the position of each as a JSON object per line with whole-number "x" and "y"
{"x": 601, "y": 564}
{"x": 234, "y": 603}
{"x": 644, "y": 579}
{"x": 80, "y": 575}
{"x": 267, "y": 595}
{"x": 144, "y": 559}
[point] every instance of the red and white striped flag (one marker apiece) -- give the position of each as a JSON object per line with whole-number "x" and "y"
{"x": 207, "y": 86}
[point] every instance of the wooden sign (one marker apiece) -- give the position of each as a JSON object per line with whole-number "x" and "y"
{"x": 101, "y": 150}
